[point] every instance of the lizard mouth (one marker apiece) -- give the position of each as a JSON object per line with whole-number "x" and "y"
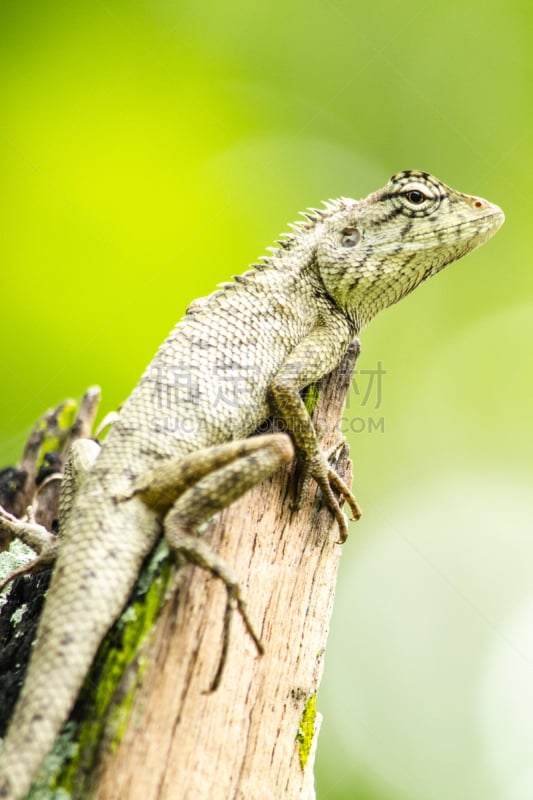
{"x": 484, "y": 223}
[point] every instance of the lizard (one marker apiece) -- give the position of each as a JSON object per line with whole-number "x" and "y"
{"x": 182, "y": 448}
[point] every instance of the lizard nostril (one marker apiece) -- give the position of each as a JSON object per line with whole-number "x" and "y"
{"x": 478, "y": 204}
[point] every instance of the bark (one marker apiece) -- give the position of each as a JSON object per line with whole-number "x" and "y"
{"x": 255, "y": 737}
{"x": 145, "y": 725}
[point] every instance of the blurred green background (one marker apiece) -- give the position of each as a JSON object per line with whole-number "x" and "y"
{"x": 150, "y": 149}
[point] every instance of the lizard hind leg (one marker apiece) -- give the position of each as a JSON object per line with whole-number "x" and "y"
{"x": 253, "y": 460}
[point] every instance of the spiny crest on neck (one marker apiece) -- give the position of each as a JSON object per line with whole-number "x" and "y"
{"x": 311, "y": 217}
{"x": 283, "y": 246}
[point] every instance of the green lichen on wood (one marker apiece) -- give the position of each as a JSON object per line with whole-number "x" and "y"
{"x": 56, "y": 430}
{"x": 44, "y": 787}
{"x": 67, "y": 415}
{"x": 306, "y": 730}
{"x": 312, "y": 395}
{"x": 106, "y": 699}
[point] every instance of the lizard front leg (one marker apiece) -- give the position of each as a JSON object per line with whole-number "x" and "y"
{"x": 210, "y": 480}
{"x": 314, "y": 357}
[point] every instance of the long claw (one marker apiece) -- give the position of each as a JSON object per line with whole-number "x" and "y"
{"x": 234, "y": 601}
{"x": 327, "y": 479}
{"x": 345, "y": 493}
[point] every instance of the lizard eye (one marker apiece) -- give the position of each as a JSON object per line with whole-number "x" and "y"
{"x": 350, "y": 237}
{"x": 417, "y": 199}
{"x": 415, "y": 196}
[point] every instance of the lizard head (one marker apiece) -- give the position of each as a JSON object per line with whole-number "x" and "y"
{"x": 372, "y": 252}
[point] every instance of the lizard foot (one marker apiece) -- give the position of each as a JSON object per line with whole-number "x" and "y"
{"x": 198, "y": 552}
{"x": 234, "y": 601}
{"x": 328, "y": 479}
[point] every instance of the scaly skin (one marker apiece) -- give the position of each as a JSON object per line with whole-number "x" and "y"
{"x": 238, "y": 356}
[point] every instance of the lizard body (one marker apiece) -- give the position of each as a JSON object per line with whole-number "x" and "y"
{"x": 178, "y": 452}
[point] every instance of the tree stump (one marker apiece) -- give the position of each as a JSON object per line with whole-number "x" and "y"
{"x": 152, "y": 730}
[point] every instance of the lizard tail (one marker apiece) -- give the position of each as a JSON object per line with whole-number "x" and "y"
{"x": 87, "y": 593}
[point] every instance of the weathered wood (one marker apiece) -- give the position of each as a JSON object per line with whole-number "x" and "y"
{"x": 255, "y": 736}
{"x": 143, "y": 725}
